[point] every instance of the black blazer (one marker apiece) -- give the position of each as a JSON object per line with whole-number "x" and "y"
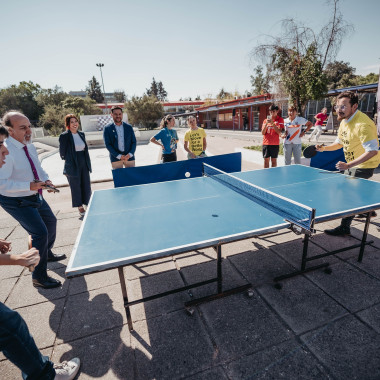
{"x": 68, "y": 153}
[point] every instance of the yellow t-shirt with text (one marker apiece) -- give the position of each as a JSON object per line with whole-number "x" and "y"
{"x": 353, "y": 134}
{"x": 195, "y": 138}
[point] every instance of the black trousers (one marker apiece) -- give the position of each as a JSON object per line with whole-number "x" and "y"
{"x": 360, "y": 173}
{"x": 169, "y": 157}
{"x": 80, "y": 186}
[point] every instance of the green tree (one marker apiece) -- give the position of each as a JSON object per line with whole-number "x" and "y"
{"x": 94, "y": 90}
{"x": 224, "y": 95}
{"x": 366, "y": 79}
{"x": 51, "y": 96}
{"x": 339, "y": 74}
{"x": 301, "y": 75}
{"x": 157, "y": 89}
{"x": 144, "y": 111}
{"x": 53, "y": 119}
{"x": 260, "y": 82}
{"x": 120, "y": 96}
{"x": 162, "y": 94}
{"x": 297, "y": 56}
{"x": 153, "y": 89}
{"x": 22, "y": 98}
{"x": 81, "y": 106}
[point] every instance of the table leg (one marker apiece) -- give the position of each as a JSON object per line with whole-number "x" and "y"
{"x": 125, "y": 297}
{"x": 364, "y": 237}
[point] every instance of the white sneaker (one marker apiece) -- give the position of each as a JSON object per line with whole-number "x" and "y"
{"x": 67, "y": 370}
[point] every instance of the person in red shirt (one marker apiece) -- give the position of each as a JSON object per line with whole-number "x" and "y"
{"x": 320, "y": 117}
{"x": 272, "y": 127}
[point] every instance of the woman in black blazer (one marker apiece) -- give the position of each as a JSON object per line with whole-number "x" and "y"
{"x": 74, "y": 150}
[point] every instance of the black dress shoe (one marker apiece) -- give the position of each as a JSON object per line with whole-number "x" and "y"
{"x": 56, "y": 257}
{"x": 338, "y": 231}
{"x": 49, "y": 283}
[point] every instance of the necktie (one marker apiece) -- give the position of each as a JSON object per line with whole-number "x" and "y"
{"x": 34, "y": 170}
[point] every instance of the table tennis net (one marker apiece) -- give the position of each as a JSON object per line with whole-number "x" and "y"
{"x": 294, "y": 212}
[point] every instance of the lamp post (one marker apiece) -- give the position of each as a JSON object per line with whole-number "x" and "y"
{"x": 100, "y": 65}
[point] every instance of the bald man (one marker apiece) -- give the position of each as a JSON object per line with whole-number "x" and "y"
{"x": 22, "y": 180}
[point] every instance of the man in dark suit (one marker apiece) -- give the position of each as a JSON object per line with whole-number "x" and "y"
{"x": 120, "y": 141}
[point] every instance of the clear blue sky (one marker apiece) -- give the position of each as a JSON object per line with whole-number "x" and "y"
{"x": 194, "y": 47}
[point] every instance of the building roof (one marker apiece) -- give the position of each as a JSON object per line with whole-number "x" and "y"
{"x": 360, "y": 88}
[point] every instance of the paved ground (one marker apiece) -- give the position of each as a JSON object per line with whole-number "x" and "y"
{"x": 318, "y": 326}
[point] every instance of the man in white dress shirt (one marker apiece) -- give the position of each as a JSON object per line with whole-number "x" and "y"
{"x": 22, "y": 180}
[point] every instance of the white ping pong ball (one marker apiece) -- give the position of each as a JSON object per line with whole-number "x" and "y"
{"x": 187, "y": 174}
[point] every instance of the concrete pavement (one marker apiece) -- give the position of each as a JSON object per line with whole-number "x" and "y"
{"x": 318, "y": 326}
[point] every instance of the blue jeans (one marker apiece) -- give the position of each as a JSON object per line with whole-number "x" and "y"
{"x": 19, "y": 347}
{"x": 296, "y": 149}
{"x": 36, "y": 217}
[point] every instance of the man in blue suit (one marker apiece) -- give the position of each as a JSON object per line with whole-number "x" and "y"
{"x": 120, "y": 141}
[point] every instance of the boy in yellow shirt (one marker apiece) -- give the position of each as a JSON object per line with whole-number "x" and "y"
{"x": 195, "y": 140}
{"x": 357, "y": 135}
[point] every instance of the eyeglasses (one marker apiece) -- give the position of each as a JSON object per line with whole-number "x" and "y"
{"x": 342, "y": 108}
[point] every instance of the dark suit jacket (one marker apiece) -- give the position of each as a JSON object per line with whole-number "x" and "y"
{"x": 111, "y": 141}
{"x": 68, "y": 153}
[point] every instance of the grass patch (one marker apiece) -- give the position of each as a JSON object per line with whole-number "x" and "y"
{"x": 281, "y": 151}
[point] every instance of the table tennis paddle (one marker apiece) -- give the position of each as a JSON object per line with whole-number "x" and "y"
{"x": 310, "y": 151}
{"x": 46, "y": 186}
{"x": 55, "y": 190}
{"x": 30, "y": 246}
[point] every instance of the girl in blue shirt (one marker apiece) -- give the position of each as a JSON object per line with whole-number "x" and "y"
{"x": 168, "y": 137}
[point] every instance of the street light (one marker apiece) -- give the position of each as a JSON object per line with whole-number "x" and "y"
{"x": 100, "y": 65}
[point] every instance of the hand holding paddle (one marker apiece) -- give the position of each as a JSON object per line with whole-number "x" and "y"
{"x": 32, "y": 250}
{"x": 312, "y": 150}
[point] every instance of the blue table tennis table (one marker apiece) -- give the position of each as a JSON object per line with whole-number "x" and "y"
{"x": 164, "y": 219}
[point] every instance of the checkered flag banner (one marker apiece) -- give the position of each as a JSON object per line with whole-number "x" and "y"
{"x": 103, "y": 120}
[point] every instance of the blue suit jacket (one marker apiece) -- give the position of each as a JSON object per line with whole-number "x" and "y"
{"x": 111, "y": 140}
{"x": 67, "y": 153}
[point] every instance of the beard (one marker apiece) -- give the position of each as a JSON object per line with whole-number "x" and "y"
{"x": 28, "y": 141}
{"x": 340, "y": 116}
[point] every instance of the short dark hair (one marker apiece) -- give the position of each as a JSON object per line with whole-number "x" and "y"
{"x": 273, "y": 107}
{"x": 116, "y": 108}
{"x": 3, "y": 131}
{"x": 68, "y": 118}
{"x": 354, "y": 99}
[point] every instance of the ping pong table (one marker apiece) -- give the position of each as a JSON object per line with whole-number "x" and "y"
{"x": 145, "y": 222}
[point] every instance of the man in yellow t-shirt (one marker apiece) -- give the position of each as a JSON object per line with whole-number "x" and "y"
{"x": 195, "y": 139}
{"x": 357, "y": 135}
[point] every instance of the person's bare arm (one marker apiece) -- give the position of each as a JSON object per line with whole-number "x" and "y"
{"x": 308, "y": 126}
{"x": 5, "y": 246}
{"x": 186, "y": 147}
{"x": 264, "y": 127}
{"x": 362, "y": 158}
{"x": 26, "y": 259}
{"x": 154, "y": 141}
{"x": 328, "y": 148}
